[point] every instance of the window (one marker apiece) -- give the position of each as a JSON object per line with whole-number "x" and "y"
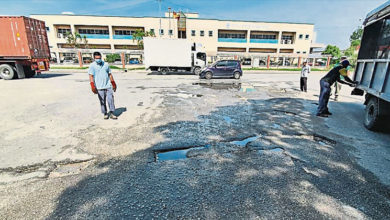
{"x": 263, "y": 36}
{"x": 231, "y": 35}
{"x": 170, "y": 32}
{"x": 304, "y": 52}
{"x": 287, "y": 37}
{"x": 201, "y": 56}
{"x": 210, "y": 33}
{"x": 307, "y": 37}
{"x": 193, "y": 33}
{"x": 231, "y": 63}
{"x": 152, "y": 30}
{"x": 124, "y": 32}
{"x": 161, "y": 31}
{"x": 201, "y": 33}
{"x": 93, "y": 31}
{"x": 300, "y": 36}
{"x": 298, "y": 51}
{"x": 62, "y": 30}
{"x": 47, "y": 29}
{"x": 222, "y": 64}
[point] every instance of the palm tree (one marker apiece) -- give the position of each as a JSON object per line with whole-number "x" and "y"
{"x": 139, "y": 35}
{"x": 75, "y": 40}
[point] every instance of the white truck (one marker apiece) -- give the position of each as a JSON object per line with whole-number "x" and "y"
{"x": 173, "y": 55}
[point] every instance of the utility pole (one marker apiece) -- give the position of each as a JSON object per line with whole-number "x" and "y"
{"x": 169, "y": 19}
{"x": 159, "y": 11}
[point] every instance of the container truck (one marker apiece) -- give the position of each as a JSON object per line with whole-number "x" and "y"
{"x": 24, "y": 48}
{"x": 372, "y": 70}
{"x": 173, "y": 55}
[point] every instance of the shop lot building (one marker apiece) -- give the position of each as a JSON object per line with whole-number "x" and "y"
{"x": 255, "y": 40}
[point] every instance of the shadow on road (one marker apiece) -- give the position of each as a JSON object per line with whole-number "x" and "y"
{"x": 312, "y": 177}
{"x": 119, "y": 111}
{"x": 50, "y": 75}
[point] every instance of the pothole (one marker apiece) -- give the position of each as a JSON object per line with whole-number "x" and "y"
{"x": 244, "y": 142}
{"x": 175, "y": 154}
{"x": 227, "y": 119}
{"x": 219, "y": 86}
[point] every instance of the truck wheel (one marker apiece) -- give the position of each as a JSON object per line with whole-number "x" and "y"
{"x": 208, "y": 75}
{"x": 197, "y": 70}
{"x": 164, "y": 71}
{"x": 372, "y": 120}
{"x": 7, "y": 72}
{"x": 28, "y": 72}
{"x": 237, "y": 75}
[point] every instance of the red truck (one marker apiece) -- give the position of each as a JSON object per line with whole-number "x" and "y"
{"x": 24, "y": 48}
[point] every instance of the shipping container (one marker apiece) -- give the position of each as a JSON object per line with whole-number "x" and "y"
{"x": 24, "y": 47}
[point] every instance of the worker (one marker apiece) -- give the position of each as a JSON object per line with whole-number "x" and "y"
{"x": 337, "y": 85}
{"x": 304, "y": 73}
{"x": 327, "y": 81}
{"x": 103, "y": 84}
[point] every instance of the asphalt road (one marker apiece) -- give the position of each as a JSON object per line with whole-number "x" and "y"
{"x": 186, "y": 148}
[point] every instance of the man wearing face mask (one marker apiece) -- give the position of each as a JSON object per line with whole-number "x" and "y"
{"x": 102, "y": 83}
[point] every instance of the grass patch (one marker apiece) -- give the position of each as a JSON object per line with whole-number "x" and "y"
{"x": 69, "y": 67}
{"x": 137, "y": 68}
{"x": 116, "y": 68}
{"x": 282, "y": 69}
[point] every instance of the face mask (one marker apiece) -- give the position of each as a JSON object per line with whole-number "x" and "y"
{"x": 99, "y": 61}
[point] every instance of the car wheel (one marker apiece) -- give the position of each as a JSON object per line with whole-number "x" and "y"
{"x": 208, "y": 75}
{"x": 164, "y": 71}
{"x": 372, "y": 120}
{"x": 237, "y": 75}
{"x": 7, "y": 72}
{"x": 197, "y": 70}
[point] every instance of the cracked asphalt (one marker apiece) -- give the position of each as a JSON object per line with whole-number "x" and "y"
{"x": 253, "y": 149}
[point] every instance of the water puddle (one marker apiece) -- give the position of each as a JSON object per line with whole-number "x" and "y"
{"x": 274, "y": 150}
{"x": 227, "y": 119}
{"x": 219, "y": 86}
{"x": 177, "y": 154}
{"x": 248, "y": 89}
{"x": 244, "y": 142}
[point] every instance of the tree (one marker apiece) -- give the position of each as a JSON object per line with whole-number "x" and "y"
{"x": 110, "y": 58}
{"x": 75, "y": 40}
{"x": 139, "y": 35}
{"x": 334, "y": 51}
{"x": 356, "y": 35}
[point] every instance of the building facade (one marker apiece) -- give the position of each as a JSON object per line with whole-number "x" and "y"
{"x": 218, "y": 38}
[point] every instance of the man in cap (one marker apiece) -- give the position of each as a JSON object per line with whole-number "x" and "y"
{"x": 327, "y": 81}
{"x": 102, "y": 83}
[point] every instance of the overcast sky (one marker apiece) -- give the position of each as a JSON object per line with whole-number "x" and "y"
{"x": 334, "y": 20}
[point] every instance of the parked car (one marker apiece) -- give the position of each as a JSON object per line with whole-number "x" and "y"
{"x": 247, "y": 62}
{"x": 134, "y": 61}
{"x": 68, "y": 60}
{"x": 87, "y": 60}
{"x": 118, "y": 62}
{"x": 222, "y": 68}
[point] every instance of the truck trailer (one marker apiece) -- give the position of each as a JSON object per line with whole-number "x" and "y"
{"x": 372, "y": 70}
{"x": 173, "y": 55}
{"x": 24, "y": 48}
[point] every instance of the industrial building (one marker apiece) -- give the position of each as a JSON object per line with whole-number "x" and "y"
{"x": 218, "y": 38}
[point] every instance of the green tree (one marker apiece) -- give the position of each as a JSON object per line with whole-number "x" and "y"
{"x": 139, "y": 35}
{"x": 75, "y": 40}
{"x": 356, "y": 35}
{"x": 333, "y": 51}
{"x": 110, "y": 58}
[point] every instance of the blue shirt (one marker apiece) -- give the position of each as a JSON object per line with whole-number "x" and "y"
{"x": 101, "y": 75}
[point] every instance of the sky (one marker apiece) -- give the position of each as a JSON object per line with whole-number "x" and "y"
{"x": 334, "y": 20}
